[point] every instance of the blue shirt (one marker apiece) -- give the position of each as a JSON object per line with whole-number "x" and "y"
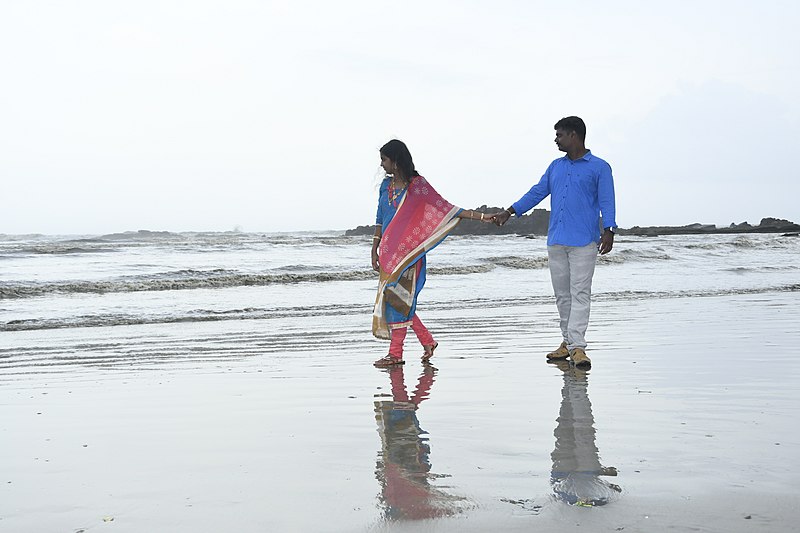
{"x": 580, "y": 191}
{"x": 386, "y": 209}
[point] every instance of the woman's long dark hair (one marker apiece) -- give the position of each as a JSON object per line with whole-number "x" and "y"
{"x": 397, "y": 152}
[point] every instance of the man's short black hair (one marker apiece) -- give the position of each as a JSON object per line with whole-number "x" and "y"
{"x": 575, "y": 124}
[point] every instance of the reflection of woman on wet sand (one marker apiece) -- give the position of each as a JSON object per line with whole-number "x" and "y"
{"x": 403, "y": 468}
{"x": 576, "y": 464}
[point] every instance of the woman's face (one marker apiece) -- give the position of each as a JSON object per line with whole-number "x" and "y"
{"x": 388, "y": 165}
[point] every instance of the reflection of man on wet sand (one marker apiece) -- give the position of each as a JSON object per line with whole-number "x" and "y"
{"x": 576, "y": 465}
{"x": 403, "y": 468}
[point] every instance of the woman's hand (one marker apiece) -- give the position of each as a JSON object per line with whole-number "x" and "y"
{"x": 376, "y": 266}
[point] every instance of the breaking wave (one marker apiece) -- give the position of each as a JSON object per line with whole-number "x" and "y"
{"x": 264, "y": 313}
{"x": 212, "y": 279}
{"x": 173, "y": 281}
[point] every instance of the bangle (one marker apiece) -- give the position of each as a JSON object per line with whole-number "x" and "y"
{"x": 375, "y": 238}
{"x": 481, "y": 217}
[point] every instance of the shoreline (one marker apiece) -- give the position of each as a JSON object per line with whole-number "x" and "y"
{"x": 695, "y": 418}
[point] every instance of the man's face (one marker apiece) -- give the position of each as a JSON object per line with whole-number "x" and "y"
{"x": 566, "y": 140}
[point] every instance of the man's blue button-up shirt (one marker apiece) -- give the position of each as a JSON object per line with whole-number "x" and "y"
{"x": 580, "y": 191}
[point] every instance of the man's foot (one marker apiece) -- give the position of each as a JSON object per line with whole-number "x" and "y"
{"x": 429, "y": 348}
{"x": 580, "y": 358}
{"x": 559, "y": 353}
{"x": 388, "y": 360}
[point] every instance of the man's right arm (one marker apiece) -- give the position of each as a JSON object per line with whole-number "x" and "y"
{"x": 529, "y": 200}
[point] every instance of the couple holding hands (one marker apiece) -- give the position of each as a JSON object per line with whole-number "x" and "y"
{"x": 413, "y": 218}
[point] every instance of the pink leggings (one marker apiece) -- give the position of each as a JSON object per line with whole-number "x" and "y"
{"x": 399, "y": 335}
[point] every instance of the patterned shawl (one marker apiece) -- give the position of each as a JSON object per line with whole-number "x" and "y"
{"x": 422, "y": 221}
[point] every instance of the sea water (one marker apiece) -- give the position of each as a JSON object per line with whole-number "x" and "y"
{"x": 319, "y": 287}
{"x": 223, "y": 381}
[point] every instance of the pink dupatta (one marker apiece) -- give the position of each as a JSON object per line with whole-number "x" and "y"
{"x": 422, "y": 221}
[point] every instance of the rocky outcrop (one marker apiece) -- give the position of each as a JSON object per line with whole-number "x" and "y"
{"x": 533, "y": 224}
{"x": 139, "y": 235}
{"x": 767, "y": 225}
{"x": 537, "y": 221}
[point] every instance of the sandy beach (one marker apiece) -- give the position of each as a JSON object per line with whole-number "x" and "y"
{"x": 207, "y": 205}
{"x": 692, "y": 402}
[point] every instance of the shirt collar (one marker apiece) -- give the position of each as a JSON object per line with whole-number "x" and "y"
{"x": 586, "y": 157}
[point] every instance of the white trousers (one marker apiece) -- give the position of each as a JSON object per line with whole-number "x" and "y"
{"x": 571, "y": 271}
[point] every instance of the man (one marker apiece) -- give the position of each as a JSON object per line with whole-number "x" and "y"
{"x": 581, "y": 188}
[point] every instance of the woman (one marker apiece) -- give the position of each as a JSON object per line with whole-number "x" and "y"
{"x": 412, "y": 219}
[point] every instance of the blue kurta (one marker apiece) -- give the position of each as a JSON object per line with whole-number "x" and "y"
{"x": 385, "y": 214}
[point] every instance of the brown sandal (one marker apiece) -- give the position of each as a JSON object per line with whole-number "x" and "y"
{"x": 388, "y": 360}
{"x": 429, "y": 348}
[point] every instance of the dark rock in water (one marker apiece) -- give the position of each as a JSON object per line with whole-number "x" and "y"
{"x": 360, "y": 230}
{"x": 534, "y": 223}
{"x": 743, "y": 225}
{"x": 775, "y": 222}
{"x": 142, "y": 234}
{"x": 537, "y": 221}
{"x": 767, "y": 225}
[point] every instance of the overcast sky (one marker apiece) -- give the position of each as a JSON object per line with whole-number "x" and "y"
{"x": 268, "y": 116}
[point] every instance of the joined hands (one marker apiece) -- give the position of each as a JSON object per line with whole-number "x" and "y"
{"x": 499, "y": 218}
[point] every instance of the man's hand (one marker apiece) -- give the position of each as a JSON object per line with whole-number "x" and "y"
{"x": 606, "y": 242}
{"x": 501, "y": 217}
{"x": 491, "y": 217}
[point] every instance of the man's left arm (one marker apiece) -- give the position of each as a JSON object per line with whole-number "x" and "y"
{"x": 608, "y": 210}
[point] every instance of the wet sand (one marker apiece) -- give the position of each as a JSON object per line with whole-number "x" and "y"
{"x": 692, "y": 403}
